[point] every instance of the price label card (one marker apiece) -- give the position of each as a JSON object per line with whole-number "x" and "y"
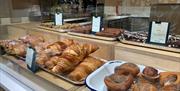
{"x": 159, "y": 32}
{"x": 58, "y": 19}
{"x": 30, "y": 57}
{"x": 96, "y": 24}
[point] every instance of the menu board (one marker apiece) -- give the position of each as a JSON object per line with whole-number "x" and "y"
{"x": 159, "y": 32}
{"x": 96, "y": 24}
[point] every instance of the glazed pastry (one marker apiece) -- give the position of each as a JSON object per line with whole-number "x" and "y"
{"x": 116, "y": 82}
{"x": 150, "y": 73}
{"x": 89, "y": 65}
{"x": 168, "y": 78}
{"x": 127, "y": 68}
{"x": 171, "y": 87}
{"x": 144, "y": 87}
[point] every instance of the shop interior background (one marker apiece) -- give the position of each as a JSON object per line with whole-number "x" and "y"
{"x": 25, "y": 11}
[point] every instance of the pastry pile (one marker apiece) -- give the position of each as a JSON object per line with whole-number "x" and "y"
{"x": 65, "y": 57}
{"x": 69, "y": 58}
{"x": 65, "y": 26}
{"x": 127, "y": 77}
{"x": 18, "y": 46}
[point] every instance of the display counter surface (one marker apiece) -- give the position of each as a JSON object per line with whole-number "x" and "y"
{"x": 109, "y": 50}
{"x": 39, "y": 81}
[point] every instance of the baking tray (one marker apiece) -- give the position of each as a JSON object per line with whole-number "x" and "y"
{"x": 53, "y": 29}
{"x": 64, "y": 77}
{"x": 62, "y": 30}
{"x": 95, "y": 81}
{"x": 164, "y": 48}
{"x": 92, "y": 36}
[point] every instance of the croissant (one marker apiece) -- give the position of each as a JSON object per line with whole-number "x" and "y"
{"x": 42, "y": 58}
{"x": 68, "y": 42}
{"x": 55, "y": 48}
{"x": 52, "y": 62}
{"x": 71, "y": 57}
{"x": 89, "y": 65}
{"x": 66, "y": 64}
{"x": 90, "y": 48}
{"x": 76, "y": 50}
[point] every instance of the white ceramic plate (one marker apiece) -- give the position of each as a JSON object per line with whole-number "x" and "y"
{"x": 95, "y": 81}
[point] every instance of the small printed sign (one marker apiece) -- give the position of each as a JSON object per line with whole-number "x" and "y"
{"x": 159, "y": 32}
{"x": 30, "y": 57}
{"x": 96, "y": 24}
{"x": 58, "y": 19}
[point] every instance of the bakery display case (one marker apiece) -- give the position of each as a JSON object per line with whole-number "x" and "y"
{"x": 46, "y": 54}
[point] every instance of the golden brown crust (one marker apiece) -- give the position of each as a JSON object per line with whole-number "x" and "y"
{"x": 42, "y": 59}
{"x": 150, "y": 74}
{"x": 117, "y": 82}
{"x": 127, "y": 68}
{"x": 89, "y": 65}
